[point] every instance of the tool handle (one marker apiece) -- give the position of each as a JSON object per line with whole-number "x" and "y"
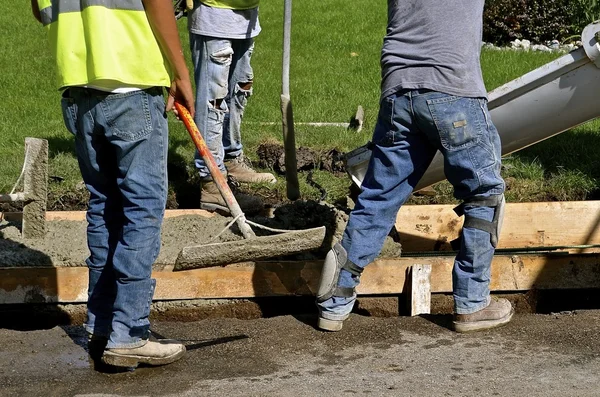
{"x": 289, "y": 145}
{"x": 287, "y": 34}
{"x": 287, "y": 115}
{"x": 214, "y": 170}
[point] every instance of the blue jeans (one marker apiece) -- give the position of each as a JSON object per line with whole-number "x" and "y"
{"x": 411, "y": 127}
{"x": 121, "y": 142}
{"x": 220, "y": 66}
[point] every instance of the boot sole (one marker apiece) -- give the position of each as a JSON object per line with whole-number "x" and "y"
{"x": 330, "y": 325}
{"x": 265, "y": 180}
{"x": 225, "y": 211}
{"x": 464, "y": 327}
{"x": 214, "y": 207}
{"x": 125, "y": 360}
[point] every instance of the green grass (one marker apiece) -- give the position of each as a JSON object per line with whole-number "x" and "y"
{"x": 334, "y": 68}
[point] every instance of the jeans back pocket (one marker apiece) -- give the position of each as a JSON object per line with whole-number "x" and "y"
{"x": 128, "y": 115}
{"x": 69, "y": 112}
{"x": 459, "y": 121}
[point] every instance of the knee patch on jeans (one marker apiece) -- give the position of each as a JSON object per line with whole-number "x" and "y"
{"x": 336, "y": 260}
{"x": 493, "y": 228}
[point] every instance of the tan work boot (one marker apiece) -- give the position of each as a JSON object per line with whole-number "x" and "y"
{"x": 497, "y": 313}
{"x": 211, "y": 199}
{"x": 152, "y": 353}
{"x": 243, "y": 172}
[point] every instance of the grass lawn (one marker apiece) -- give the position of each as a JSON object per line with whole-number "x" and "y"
{"x": 334, "y": 68}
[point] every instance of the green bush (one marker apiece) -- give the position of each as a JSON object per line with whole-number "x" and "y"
{"x": 537, "y": 20}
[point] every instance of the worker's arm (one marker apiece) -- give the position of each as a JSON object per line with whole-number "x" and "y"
{"x": 36, "y": 11}
{"x": 162, "y": 19}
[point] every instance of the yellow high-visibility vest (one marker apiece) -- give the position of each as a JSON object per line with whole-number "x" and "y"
{"x": 99, "y": 40}
{"x": 232, "y": 4}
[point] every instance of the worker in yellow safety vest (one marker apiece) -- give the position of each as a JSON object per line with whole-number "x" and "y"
{"x": 222, "y": 36}
{"x": 113, "y": 60}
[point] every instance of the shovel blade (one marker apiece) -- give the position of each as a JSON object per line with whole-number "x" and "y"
{"x": 251, "y": 249}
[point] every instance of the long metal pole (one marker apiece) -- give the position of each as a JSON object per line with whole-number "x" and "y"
{"x": 287, "y": 115}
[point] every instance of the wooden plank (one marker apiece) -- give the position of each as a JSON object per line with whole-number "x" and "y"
{"x": 389, "y": 276}
{"x": 419, "y": 297}
{"x": 432, "y": 227}
{"x": 80, "y": 215}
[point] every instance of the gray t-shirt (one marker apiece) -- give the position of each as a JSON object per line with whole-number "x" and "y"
{"x": 223, "y": 22}
{"x": 433, "y": 44}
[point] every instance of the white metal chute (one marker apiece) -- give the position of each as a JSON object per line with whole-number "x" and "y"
{"x": 536, "y": 106}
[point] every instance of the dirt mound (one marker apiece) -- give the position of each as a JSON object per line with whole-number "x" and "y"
{"x": 272, "y": 155}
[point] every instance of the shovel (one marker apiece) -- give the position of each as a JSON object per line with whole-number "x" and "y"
{"x": 251, "y": 247}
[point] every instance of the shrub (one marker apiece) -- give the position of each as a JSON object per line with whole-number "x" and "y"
{"x": 537, "y": 20}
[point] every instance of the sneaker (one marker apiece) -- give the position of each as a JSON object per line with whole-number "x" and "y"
{"x": 239, "y": 169}
{"x": 152, "y": 353}
{"x": 211, "y": 199}
{"x": 497, "y": 313}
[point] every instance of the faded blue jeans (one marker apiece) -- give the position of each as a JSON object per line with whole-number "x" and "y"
{"x": 121, "y": 142}
{"x": 220, "y": 66}
{"x": 411, "y": 127}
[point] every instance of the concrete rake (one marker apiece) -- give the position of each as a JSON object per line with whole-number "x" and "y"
{"x": 251, "y": 247}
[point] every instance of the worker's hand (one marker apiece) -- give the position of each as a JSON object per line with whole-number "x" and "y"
{"x": 189, "y": 4}
{"x": 181, "y": 91}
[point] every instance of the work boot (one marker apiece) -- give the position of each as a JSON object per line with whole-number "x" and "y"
{"x": 241, "y": 171}
{"x": 151, "y": 353}
{"x": 211, "y": 199}
{"x": 497, "y": 313}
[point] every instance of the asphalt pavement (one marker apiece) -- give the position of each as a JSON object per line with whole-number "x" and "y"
{"x": 534, "y": 355}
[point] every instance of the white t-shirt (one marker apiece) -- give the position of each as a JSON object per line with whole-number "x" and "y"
{"x": 224, "y": 23}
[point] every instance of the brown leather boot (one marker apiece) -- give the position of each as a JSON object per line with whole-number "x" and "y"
{"x": 211, "y": 199}
{"x": 497, "y": 313}
{"x": 241, "y": 171}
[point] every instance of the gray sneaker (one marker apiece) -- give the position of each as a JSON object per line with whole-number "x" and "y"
{"x": 241, "y": 171}
{"x": 211, "y": 199}
{"x": 497, "y": 313}
{"x": 152, "y": 353}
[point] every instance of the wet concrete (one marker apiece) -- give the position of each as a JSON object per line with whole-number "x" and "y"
{"x": 64, "y": 243}
{"x": 535, "y": 355}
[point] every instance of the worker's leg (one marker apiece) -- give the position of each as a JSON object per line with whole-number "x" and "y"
{"x": 136, "y": 126}
{"x": 470, "y": 143}
{"x": 240, "y": 89}
{"x": 97, "y": 162}
{"x": 212, "y": 60}
{"x": 401, "y": 154}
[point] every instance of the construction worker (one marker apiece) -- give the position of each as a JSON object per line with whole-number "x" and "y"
{"x": 114, "y": 58}
{"x": 433, "y": 98}
{"x": 222, "y": 36}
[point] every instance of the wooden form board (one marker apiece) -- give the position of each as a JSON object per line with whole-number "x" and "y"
{"x": 389, "y": 276}
{"x": 432, "y": 227}
{"x": 421, "y": 228}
